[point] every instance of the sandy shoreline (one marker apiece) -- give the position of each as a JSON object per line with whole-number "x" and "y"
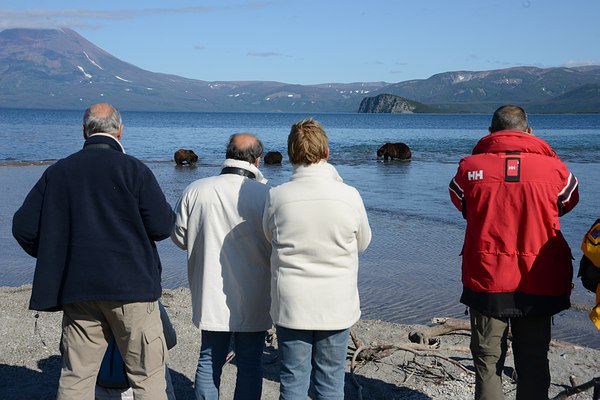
{"x": 30, "y": 362}
{"x": 25, "y": 163}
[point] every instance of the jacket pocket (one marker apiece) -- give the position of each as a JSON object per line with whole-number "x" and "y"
{"x": 154, "y": 348}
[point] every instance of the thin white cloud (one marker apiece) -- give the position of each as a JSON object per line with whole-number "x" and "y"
{"x": 580, "y": 63}
{"x": 82, "y": 18}
{"x": 505, "y": 63}
{"x": 263, "y": 54}
{"x": 77, "y": 18}
{"x": 257, "y": 5}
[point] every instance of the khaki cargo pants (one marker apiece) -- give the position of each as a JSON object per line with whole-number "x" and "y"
{"x": 530, "y": 343}
{"x": 138, "y": 331}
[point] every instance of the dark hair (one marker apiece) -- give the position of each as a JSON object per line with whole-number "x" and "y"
{"x": 509, "y": 117}
{"x": 244, "y": 150}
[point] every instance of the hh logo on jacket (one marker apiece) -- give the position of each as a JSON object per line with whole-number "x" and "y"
{"x": 475, "y": 175}
{"x": 512, "y": 170}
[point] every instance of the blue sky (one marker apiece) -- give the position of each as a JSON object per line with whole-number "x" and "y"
{"x": 320, "y": 41}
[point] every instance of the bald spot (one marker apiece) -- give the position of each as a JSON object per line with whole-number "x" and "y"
{"x": 244, "y": 141}
{"x": 102, "y": 110}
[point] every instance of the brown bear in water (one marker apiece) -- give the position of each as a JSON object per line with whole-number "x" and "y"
{"x": 185, "y": 156}
{"x": 273, "y": 157}
{"x": 392, "y": 151}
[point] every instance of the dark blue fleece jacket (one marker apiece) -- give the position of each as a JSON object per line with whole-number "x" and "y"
{"x": 92, "y": 221}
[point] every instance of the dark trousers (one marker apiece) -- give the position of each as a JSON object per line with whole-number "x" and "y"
{"x": 530, "y": 343}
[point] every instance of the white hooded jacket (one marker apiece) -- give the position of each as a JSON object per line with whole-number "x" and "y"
{"x": 317, "y": 225}
{"x": 219, "y": 224}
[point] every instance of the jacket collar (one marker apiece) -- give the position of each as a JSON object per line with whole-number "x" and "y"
{"x": 503, "y": 141}
{"x": 231, "y": 163}
{"x": 321, "y": 169}
{"x": 105, "y": 138}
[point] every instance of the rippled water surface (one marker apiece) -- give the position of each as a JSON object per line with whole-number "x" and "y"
{"x": 411, "y": 271}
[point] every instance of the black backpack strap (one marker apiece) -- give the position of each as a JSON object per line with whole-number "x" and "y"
{"x": 238, "y": 171}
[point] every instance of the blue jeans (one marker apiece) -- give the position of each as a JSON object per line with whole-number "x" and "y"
{"x": 320, "y": 355}
{"x": 248, "y": 355}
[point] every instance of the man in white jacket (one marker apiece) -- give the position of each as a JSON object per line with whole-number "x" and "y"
{"x": 317, "y": 225}
{"x": 219, "y": 224}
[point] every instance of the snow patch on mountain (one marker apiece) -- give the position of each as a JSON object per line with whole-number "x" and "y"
{"x": 88, "y": 76}
{"x": 92, "y": 61}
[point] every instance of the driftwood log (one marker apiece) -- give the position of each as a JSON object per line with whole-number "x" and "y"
{"x": 421, "y": 344}
{"x": 575, "y": 388}
{"x": 443, "y": 326}
{"x": 424, "y": 343}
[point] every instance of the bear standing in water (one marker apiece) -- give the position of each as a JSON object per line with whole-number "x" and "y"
{"x": 393, "y": 151}
{"x": 182, "y": 156}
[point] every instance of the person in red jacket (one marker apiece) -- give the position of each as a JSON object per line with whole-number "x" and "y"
{"x": 516, "y": 264}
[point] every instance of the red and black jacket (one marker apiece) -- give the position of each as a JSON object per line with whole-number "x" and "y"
{"x": 512, "y": 191}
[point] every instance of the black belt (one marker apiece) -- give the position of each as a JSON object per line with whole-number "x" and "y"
{"x": 238, "y": 171}
{"x": 98, "y": 146}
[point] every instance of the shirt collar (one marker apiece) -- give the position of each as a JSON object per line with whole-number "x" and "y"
{"x": 110, "y": 136}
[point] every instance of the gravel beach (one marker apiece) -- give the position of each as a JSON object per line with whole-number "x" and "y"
{"x": 30, "y": 361}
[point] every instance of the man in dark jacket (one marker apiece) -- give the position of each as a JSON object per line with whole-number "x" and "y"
{"x": 516, "y": 266}
{"x": 92, "y": 221}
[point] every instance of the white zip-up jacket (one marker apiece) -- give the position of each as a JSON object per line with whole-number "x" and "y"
{"x": 219, "y": 223}
{"x": 317, "y": 225}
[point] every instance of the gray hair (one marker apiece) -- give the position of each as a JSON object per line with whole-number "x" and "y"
{"x": 509, "y": 117}
{"x": 246, "y": 150}
{"x": 101, "y": 122}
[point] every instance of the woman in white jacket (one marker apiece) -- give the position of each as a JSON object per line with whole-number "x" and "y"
{"x": 317, "y": 225}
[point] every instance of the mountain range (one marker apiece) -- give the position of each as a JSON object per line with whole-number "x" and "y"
{"x": 60, "y": 69}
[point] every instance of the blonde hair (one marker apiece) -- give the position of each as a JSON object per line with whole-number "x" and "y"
{"x": 307, "y": 142}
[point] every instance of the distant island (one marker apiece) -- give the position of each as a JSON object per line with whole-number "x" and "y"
{"x": 60, "y": 69}
{"x": 392, "y": 104}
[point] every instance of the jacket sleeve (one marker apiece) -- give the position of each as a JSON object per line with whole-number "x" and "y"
{"x": 457, "y": 194}
{"x": 156, "y": 212}
{"x": 363, "y": 236}
{"x": 267, "y": 218}
{"x": 26, "y": 221}
{"x": 179, "y": 234}
{"x": 568, "y": 197}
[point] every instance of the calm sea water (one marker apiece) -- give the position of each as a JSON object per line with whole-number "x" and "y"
{"x": 411, "y": 271}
